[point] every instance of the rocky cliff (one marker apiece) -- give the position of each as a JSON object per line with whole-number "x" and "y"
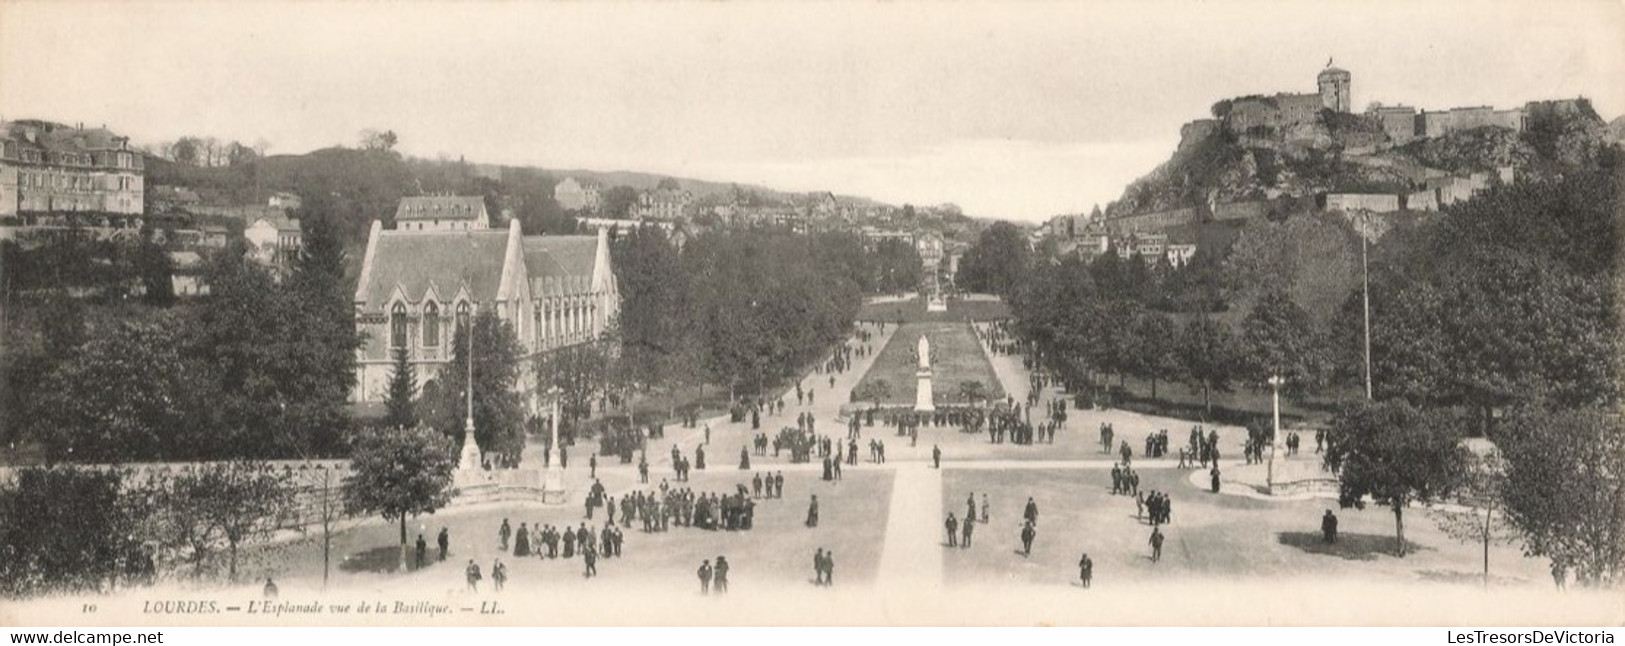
{"x": 1339, "y": 152}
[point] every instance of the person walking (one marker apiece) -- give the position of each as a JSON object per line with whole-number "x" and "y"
{"x": 812, "y": 512}
{"x": 473, "y": 574}
{"x": 952, "y": 525}
{"x": 936, "y": 457}
{"x": 1086, "y": 569}
{"x": 1156, "y": 544}
{"x": 966, "y": 528}
{"x": 1328, "y": 527}
{"x": 1214, "y": 477}
{"x": 720, "y": 582}
{"x": 423, "y": 548}
{"x": 499, "y": 575}
{"x": 445, "y": 543}
{"x": 705, "y": 577}
{"x": 1028, "y": 533}
{"x": 503, "y": 534}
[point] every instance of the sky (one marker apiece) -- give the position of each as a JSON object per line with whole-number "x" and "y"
{"x": 1013, "y": 110}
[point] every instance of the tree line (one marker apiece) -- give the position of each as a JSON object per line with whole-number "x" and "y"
{"x": 1498, "y": 318}
{"x": 261, "y": 368}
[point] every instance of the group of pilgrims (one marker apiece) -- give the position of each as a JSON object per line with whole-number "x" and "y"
{"x": 546, "y": 541}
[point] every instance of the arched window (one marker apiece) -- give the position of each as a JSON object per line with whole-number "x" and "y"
{"x": 397, "y": 326}
{"x": 431, "y": 325}
{"x": 463, "y": 311}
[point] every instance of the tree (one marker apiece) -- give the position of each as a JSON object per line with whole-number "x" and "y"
{"x": 65, "y": 529}
{"x": 972, "y": 391}
{"x": 1565, "y": 488}
{"x": 1155, "y": 339}
{"x": 1208, "y": 357}
{"x": 243, "y": 501}
{"x": 374, "y": 140}
{"x": 1278, "y": 339}
{"x": 132, "y": 393}
{"x": 403, "y": 385}
{"x": 1478, "y": 497}
{"x": 874, "y": 390}
{"x": 187, "y": 150}
{"x": 578, "y": 373}
{"x": 1394, "y": 454}
{"x": 618, "y": 202}
{"x": 398, "y": 473}
{"x": 668, "y": 184}
{"x": 997, "y": 262}
{"x": 156, "y": 270}
{"x": 498, "y": 410}
{"x": 324, "y": 488}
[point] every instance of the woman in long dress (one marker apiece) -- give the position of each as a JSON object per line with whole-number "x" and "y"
{"x": 521, "y": 541}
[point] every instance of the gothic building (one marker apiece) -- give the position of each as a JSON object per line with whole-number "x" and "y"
{"x": 417, "y": 286}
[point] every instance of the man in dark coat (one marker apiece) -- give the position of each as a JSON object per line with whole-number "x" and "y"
{"x": 1156, "y": 544}
{"x": 1086, "y": 569}
{"x": 705, "y": 577}
{"x": 423, "y": 547}
{"x": 1328, "y": 527}
{"x": 953, "y": 530}
{"x": 445, "y": 542}
{"x": 1028, "y": 533}
{"x": 1031, "y": 513}
{"x": 936, "y": 457}
{"x": 812, "y": 512}
{"x": 721, "y": 579}
{"x": 1214, "y": 477}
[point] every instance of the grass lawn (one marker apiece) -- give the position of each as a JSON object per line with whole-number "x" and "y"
{"x": 1212, "y": 536}
{"x": 912, "y": 311}
{"x": 1239, "y": 406}
{"x": 959, "y": 358}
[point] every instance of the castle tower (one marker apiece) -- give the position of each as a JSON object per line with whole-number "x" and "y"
{"x": 1334, "y": 88}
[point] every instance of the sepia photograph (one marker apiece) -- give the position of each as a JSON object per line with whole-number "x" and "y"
{"x": 698, "y": 314}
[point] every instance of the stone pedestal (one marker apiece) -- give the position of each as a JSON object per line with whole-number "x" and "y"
{"x": 469, "y": 459}
{"x": 924, "y": 400}
{"x": 553, "y": 492}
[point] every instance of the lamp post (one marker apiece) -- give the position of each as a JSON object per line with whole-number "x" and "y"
{"x": 1275, "y": 382}
{"x": 1365, "y": 296}
{"x": 553, "y": 480}
{"x": 470, "y": 458}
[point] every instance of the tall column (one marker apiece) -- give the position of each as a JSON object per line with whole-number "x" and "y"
{"x": 1275, "y": 432}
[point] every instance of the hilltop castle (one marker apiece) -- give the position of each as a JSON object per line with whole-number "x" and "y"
{"x": 1260, "y": 115}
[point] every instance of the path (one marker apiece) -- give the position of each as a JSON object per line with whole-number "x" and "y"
{"x": 912, "y": 557}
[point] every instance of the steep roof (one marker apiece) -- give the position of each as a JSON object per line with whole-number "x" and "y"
{"x": 558, "y": 257}
{"x": 414, "y": 260}
{"x": 277, "y": 218}
{"x": 440, "y": 207}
